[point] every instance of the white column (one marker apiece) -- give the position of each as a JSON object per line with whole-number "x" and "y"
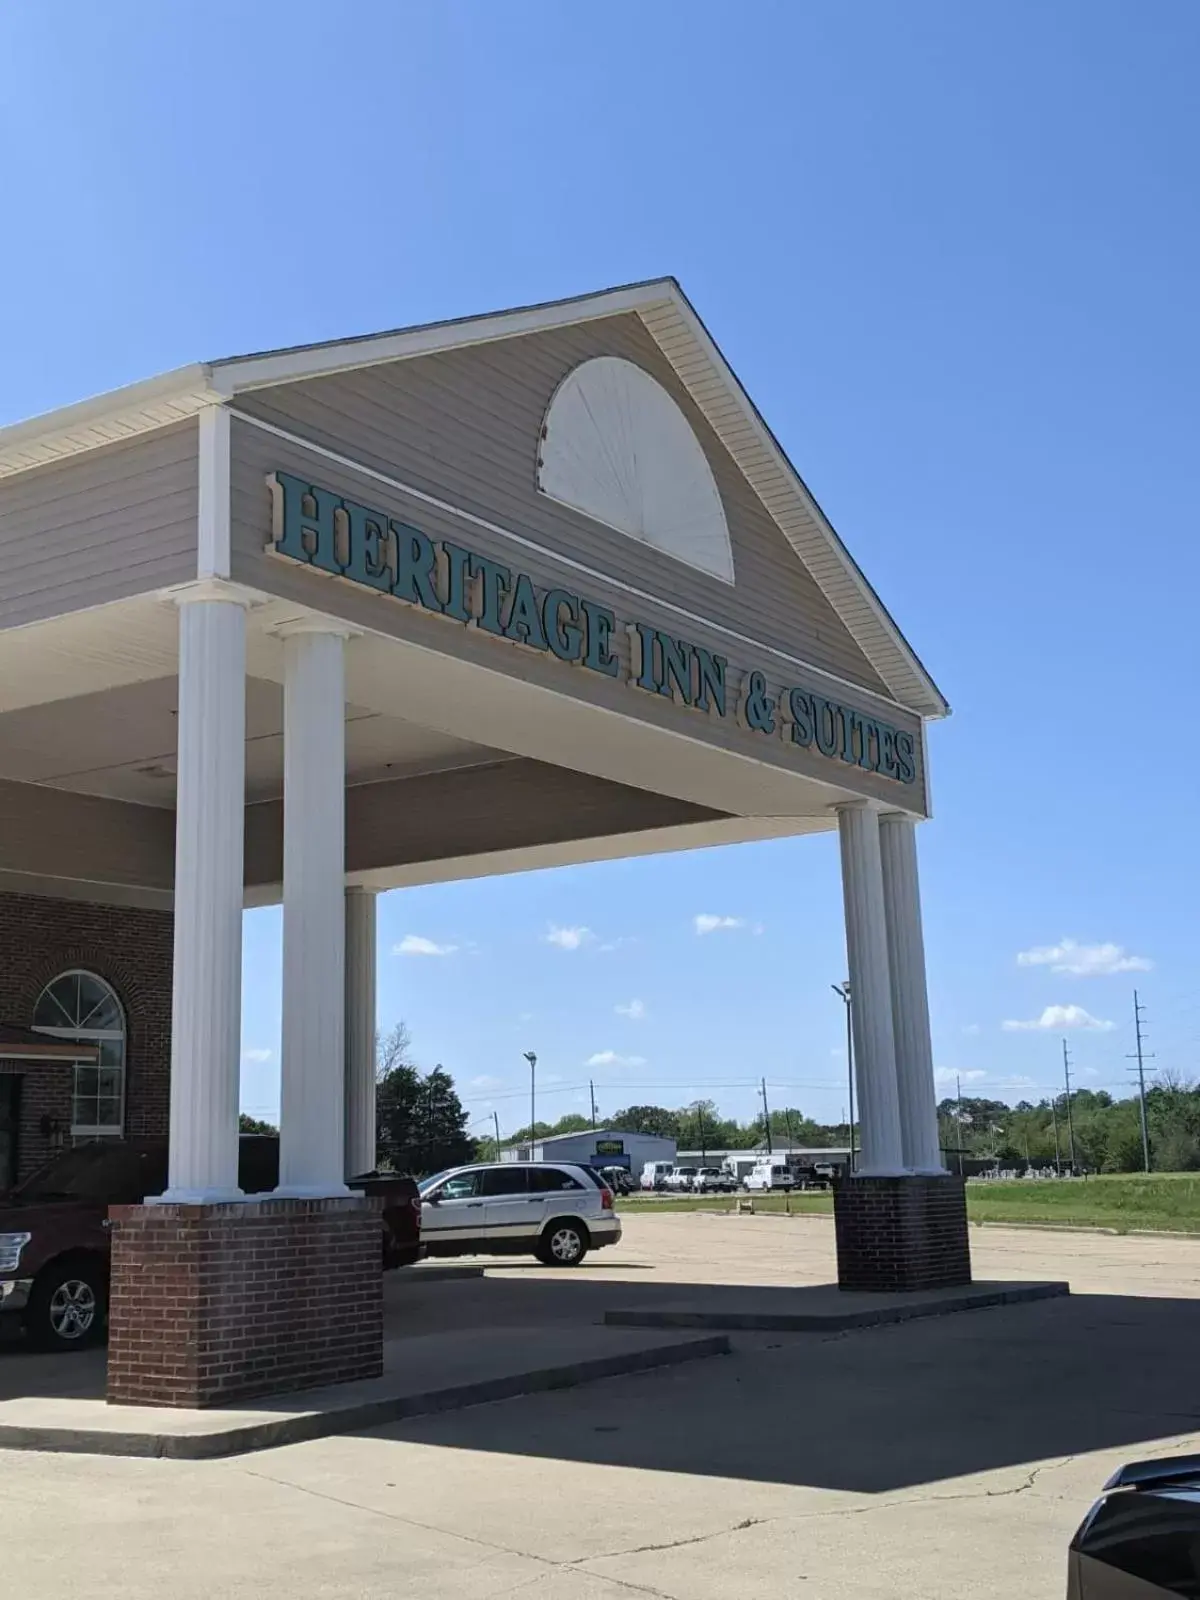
{"x": 360, "y": 1031}
{"x": 312, "y": 1116}
{"x": 910, "y": 999}
{"x": 206, "y": 1001}
{"x": 870, "y": 993}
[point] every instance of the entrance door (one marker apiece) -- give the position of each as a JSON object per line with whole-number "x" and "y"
{"x": 10, "y": 1122}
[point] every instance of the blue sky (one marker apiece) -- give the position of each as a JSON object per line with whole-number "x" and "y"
{"x": 952, "y": 253}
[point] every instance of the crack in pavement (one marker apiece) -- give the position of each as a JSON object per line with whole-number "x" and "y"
{"x": 870, "y": 1509}
{"x": 674, "y": 1544}
{"x": 555, "y": 1565}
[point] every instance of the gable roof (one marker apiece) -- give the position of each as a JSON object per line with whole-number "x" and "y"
{"x": 671, "y": 320}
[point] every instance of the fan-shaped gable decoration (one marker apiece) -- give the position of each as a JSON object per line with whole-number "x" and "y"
{"x": 616, "y": 447}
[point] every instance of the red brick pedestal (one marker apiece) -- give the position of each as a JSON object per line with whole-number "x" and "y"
{"x": 214, "y": 1304}
{"x": 896, "y": 1234}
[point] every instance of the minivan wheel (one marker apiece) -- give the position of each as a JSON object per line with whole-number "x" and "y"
{"x": 67, "y": 1307}
{"x": 563, "y": 1245}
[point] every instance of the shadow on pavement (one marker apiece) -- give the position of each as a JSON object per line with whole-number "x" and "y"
{"x": 873, "y": 1410}
{"x": 869, "y": 1410}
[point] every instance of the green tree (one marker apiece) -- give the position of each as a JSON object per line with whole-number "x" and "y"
{"x": 421, "y": 1123}
{"x": 247, "y": 1124}
{"x": 794, "y": 1126}
{"x": 571, "y": 1123}
{"x": 646, "y": 1119}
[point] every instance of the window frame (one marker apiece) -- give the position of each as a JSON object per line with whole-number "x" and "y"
{"x": 515, "y": 1171}
{"x": 97, "y": 1036}
{"x": 438, "y": 1192}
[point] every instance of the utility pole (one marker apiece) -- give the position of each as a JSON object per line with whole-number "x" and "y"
{"x": 766, "y": 1118}
{"x": 1070, "y": 1119}
{"x": 842, "y": 990}
{"x": 496, "y": 1120}
{"x": 531, "y": 1057}
{"x": 592, "y": 1092}
{"x": 1057, "y": 1150}
{"x": 702, "y": 1132}
{"x": 959, "y": 1120}
{"x": 1140, "y": 1057}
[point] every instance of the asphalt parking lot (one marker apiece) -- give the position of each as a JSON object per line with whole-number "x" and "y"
{"x": 947, "y": 1457}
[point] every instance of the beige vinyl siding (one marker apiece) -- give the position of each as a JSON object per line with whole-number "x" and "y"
{"x": 465, "y": 425}
{"x": 440, "y": 816}
{"x": 108, "y": 524}
{"x": 53, "y": 833}
{"x": 256, "y": 453}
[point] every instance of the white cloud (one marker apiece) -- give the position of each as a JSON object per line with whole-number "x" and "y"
{"x": 416, "y": 944}
{"x": 1056, "y": 1018}
{"x": 972, "y": 1028}
{"x": 611, "y": 1058}
{"x": 568, "y": 938}
{"x": 484, "y": 1083}
{"x": 708, "y": 922}
{"x": 257, "y": 1055}
{"x": 1083, "y": 960}
{"x": 948, "y": 1075}
{"x": 635, "y": 1010}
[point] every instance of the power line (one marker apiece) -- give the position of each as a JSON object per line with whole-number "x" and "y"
{"x": 1070, "y": 1120}
{"x": 1140, "y": 1058}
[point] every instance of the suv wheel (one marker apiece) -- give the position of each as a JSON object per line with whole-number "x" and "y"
{"x": 67, "y": 1308}
{"x": 564, "y": 1244}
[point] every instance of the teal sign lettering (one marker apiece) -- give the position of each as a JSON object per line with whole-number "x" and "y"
{"x": 347, "y": 540}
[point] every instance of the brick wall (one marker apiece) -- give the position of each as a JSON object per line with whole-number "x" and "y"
{"x": 129, "y": 948}
{"x": 898, "y": 1234}
{"x": 213, "y": 1304}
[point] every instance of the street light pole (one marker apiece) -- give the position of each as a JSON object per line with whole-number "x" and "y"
{"x": 842, "y": 990}
{"x": 532, "y": 1060}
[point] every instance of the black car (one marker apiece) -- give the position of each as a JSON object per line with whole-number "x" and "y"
{"x": 1141, "y": 1540}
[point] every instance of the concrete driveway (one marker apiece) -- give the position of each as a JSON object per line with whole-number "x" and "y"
{"x": 951, "y": 1457}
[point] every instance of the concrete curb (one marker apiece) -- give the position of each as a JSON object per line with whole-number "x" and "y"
{"x": 420, "y": 1273}
{"x": 833, "y": 1322}
{"x": 294, "y": 1429}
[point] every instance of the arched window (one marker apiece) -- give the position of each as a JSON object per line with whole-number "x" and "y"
{"x": 617, "y": 447}
{"x": 83, "y": 1008}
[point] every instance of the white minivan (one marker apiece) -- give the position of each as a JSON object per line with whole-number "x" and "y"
{"x": 770, "y": 1175}
{"x": 551, "y": 1210}
{"x": 654, "y": 1174}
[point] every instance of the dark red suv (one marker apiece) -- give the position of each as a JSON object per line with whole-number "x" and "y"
{"x": 54, "y": 1240}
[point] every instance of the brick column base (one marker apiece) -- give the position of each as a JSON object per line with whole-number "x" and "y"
{"x": 217, "y": 1303}
{"x": 896, "y": 1234}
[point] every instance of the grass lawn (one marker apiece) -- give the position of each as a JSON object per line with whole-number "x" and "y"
{"x": 1166, "y": 1202}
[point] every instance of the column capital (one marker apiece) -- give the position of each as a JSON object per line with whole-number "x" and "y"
{"x": 184, "y": 594}
{"x": 895, "y": 817}
{"x": 314, "y": 622}
{"x": 846, "y": 807}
